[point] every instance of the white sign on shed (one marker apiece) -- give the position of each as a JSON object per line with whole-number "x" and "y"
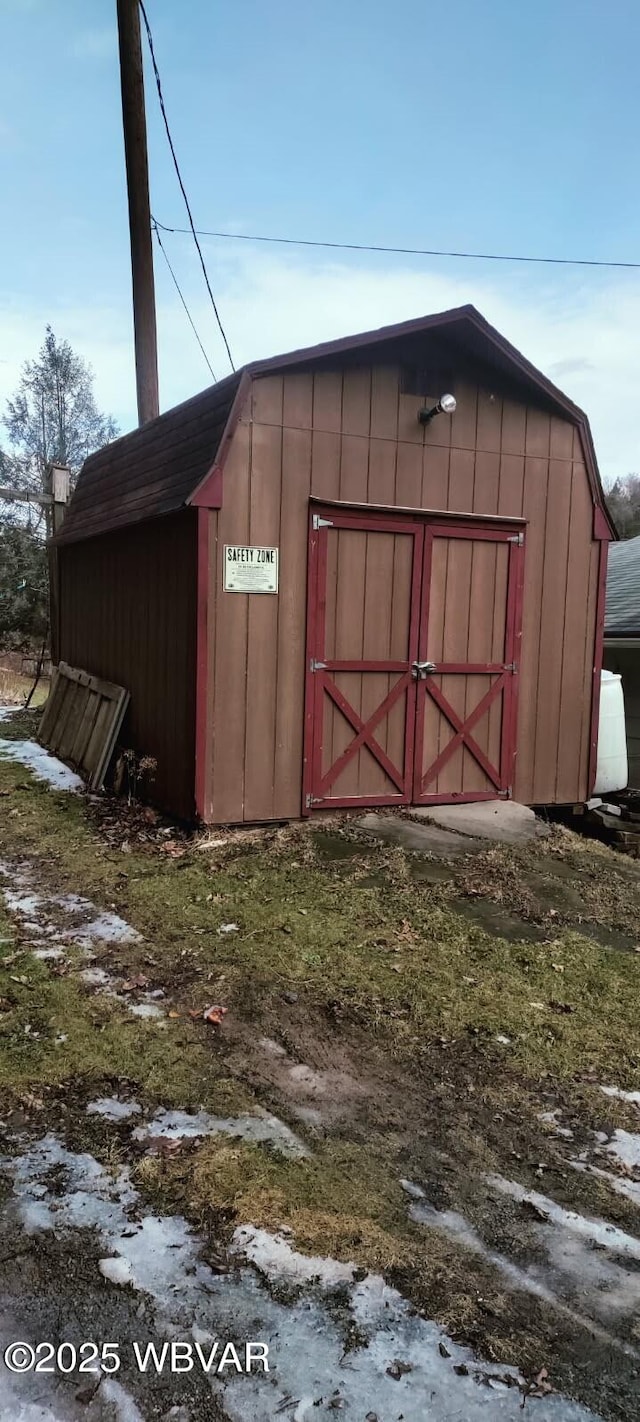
{"x": 250, "y": 569}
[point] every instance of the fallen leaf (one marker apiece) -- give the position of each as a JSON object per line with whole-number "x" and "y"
{"x": 173, "y": 1014}
{"x": 195, "y": 1012}
{"x": 139, "y": 981}
{"x": 214, "y": 1015}
{"x": 229, "y": 928}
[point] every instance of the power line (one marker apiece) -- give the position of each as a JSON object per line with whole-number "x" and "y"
{"x": 406, "y": 251}
{"x": 177, "y": 287}
{"x": 179, "y": 177}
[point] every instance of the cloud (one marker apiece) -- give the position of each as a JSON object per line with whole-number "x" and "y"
{"x": 584, "y": 332}
{"x": 95, "y": 44}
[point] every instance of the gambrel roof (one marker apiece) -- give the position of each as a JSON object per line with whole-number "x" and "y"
{"x": 170, "y": 462}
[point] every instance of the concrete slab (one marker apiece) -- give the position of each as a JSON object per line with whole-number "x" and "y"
{"x": 503, "y": 821}
{"x": 408, "y": 835}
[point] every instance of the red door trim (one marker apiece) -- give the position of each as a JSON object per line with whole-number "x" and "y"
{"x": 501, "y": 776}
{"x": 320, "y": 682}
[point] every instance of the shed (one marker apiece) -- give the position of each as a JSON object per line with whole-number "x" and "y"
{"x": 318, "y": 599}
{"x": 622, "y": 639}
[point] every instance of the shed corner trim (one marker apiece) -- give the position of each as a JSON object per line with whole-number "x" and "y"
{"x": 208, "y": 494}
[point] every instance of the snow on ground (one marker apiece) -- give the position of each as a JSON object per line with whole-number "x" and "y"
{"x": 591, "y": 1269}
{"x": 113, "y": 1109}
{"x": 41, "y": 764}
{"x": 405, "y": 1367}
{"x": 176, "y": 1125}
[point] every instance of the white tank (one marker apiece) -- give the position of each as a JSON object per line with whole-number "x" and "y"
{"x": 612, "y": 770}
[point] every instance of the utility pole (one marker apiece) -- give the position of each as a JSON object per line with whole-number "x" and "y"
{"x": 135, "y": 148}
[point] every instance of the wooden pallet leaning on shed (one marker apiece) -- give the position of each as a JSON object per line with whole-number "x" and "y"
{"x": 81, "y": 721}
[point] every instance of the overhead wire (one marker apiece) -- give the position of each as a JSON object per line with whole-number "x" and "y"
{"x": 176, "y": 165}
{"x": 176, "y": 283}
{"x": 404, "y": 251}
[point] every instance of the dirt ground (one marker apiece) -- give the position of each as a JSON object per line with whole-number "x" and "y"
{"x": 407, "y": 1152}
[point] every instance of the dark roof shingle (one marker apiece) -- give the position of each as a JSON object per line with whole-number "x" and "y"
{"x": 622, "y": 616}
{"x": 153, "y": 470}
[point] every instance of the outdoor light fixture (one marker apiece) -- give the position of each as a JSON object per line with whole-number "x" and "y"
{"x": 445, "y": 406}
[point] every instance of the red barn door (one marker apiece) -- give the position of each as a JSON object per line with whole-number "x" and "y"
{"x": 469, "y": 648}
{"x": 412, "y": 634}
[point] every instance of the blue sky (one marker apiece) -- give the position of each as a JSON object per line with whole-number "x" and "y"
{"x": 484, "y": 124}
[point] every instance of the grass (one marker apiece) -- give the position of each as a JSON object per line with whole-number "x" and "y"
{"x": 15, "y": 688}
{"x": 392, "y": 968}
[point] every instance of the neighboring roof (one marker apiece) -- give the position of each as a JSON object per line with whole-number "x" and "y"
{"x": 622, "y": 615}
{"x": 160, "y": 467}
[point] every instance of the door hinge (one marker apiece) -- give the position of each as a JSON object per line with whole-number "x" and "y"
{"x": 510, "y": 666}
{"x": 310, "y": 801}
{"x": 319, "y": 522}
{"x": 315, "y": 666}
{"x": 506, "y": 794}
{"x": 517, "y": 538}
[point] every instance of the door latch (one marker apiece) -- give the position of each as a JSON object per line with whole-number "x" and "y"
{"x": 420, "y": 670}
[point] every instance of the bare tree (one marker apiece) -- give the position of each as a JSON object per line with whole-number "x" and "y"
{"x": 623, "y": 500}
{"x": 53, "y": 416}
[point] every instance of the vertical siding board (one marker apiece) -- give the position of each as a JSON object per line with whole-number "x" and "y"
{"x": 534, "y": 510}
{"x": 589, "y": 656}
{"x": 461, "y": 474}
{"x": 356, "y": 402}
{"x": 382, "y": 471}
{"x": 326, "y": 454}
{"x": 229, "y": 707}
{"x": 354, "y": 469}
{"x": 297, "y": 403}
{"x": 213, "y": 600}
{"x": 131, "y": 599}
{"x": 409, "y": 476}
{"x": 435, "y": 477}
{"x": 486, "y": 486}
{"x": 561, "y": 439}
{"x": 262, "y": 636}
{"x": 489, "y": 422}
{"x": 463, "y": 421}
{"x": 267, "y": 394}
{"x": 294, "y": 525}
{"x": 511, "y": 491}
{"x": 569, "y": 784}
{"x": 327, "y": 400}
{"x": 384, "y": 402}
{"x": 552, "y": 619}
{"x": 538, "y": 433}
{"x": 514, "y": 423}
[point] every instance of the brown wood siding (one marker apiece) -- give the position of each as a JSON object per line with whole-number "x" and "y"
{"x": 128, "y": 614}
{"x": 352, "y": 435}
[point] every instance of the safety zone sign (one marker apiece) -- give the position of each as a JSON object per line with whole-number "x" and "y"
{"x": 250, "y": 569}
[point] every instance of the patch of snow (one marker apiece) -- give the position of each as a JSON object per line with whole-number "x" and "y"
{"x": 24, "y": 904}
{"x": 573, "y": 1271}
{"x": 415, "y": 1191}
{"x": 144, "y": 1009}
{"x": 311, "y": 1370}
{"x": 94, "y": 977}
{"x": 104, "y": 928}
{"x": 45, "y": 954}
{"x": 625, "y": 1146}
{"x": 630, "y": 1189}
{"x": 177, "y": 1125}
{"x": 41, "y": 764}
{"x": 617, "y": 1091}
{"x": 113, "y": 1109}
{"x": 116, "y": 1270}
{"x": 551, "y": 1118}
